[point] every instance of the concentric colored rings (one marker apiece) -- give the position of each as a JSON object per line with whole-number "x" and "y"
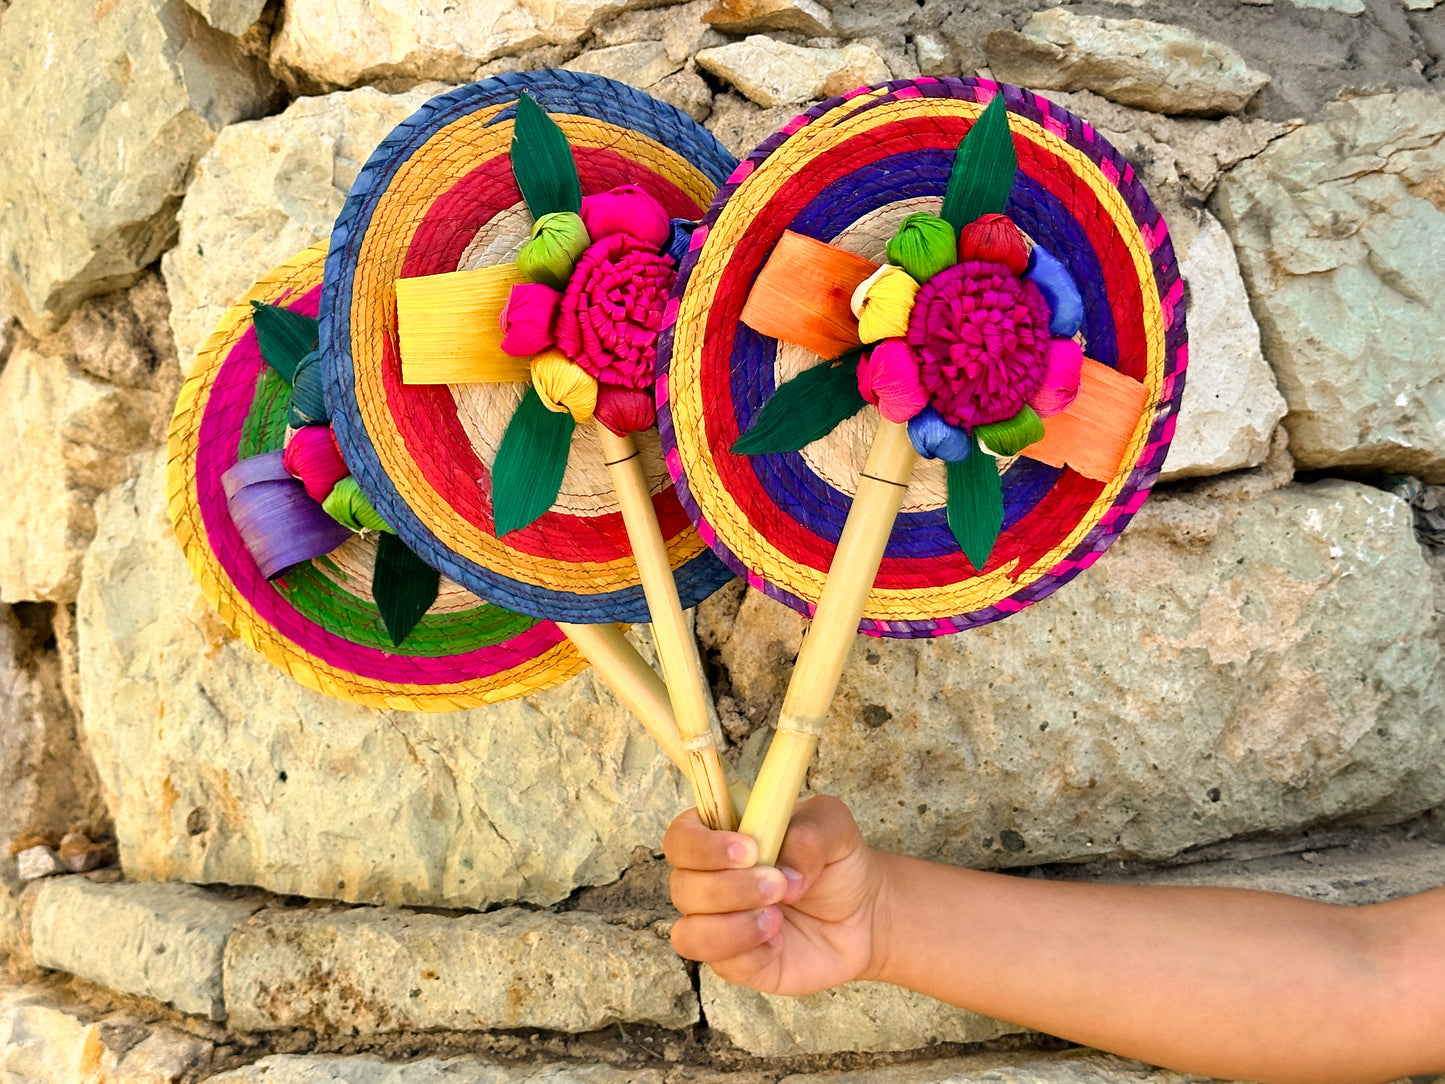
{"x": 776, "y": 518}
{"x": 318, "y": 622}
{"x": 436, "y": 196}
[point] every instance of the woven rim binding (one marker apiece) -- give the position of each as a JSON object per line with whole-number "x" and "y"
{"x": 318, "y": 622}
{"x": 436, "y": 196}
{"x": 834, "y": 173}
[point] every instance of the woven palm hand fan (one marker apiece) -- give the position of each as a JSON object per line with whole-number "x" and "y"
{"x": 292, "y": 556}
{"x": 493, "y": 295}
{"x": 925, "y": 363}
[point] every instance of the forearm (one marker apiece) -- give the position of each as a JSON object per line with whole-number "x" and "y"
{"x": 1237, "y": 984}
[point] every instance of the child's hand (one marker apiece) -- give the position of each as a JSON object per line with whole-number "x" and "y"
{"x": 804, "y": 926}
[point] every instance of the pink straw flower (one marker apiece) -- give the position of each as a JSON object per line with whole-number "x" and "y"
{"x": 888, "y": 378}
{"x": 612, "y": 310}
{"x": 626, "y": 209}
{"x": 982, "y": 339}
{"x": 529, "y": 319}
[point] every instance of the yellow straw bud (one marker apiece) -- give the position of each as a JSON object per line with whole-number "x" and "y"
{"x": 883, "y": 302}
{"x": 562, "y": 384}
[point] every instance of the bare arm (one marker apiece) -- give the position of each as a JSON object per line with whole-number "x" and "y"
{"x": 1239, "y": 984}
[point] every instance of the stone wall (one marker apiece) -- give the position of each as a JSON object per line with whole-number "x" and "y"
{"x": 1254, "y": 673}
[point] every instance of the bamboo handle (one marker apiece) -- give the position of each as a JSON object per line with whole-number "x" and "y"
{"x": 639, "y": 688}
{"x": 829, "y": 637}
{"x": 675, "y": 647}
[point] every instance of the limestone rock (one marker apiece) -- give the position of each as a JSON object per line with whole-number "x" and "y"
{"x": 46, "y": 775}
{"x": 45, "y": 1042}
{"x": 739, "y": 125}
{"x": 219, "y": 768}
{"x": 1150, "y": 65}
{"x": 330, "y": 45}
{"x": 859, "y": 1016}
{"x": 1340, "y": 231}
{"x": 680, "y": 28}
{"x": 640, "y": 64}
{"x": 235, "y": 17}
{"x": 937, "y": 54}
{"x": 1231, "y": 404}
{"x": 773, "y": 73}
{"x": 64, "y": 438}
{"x": 370, "y": 1069}
{"x": 125, "y": 338}
{"x": 806, "y": 17}
{"x": 759, "y": 653}
{"x": 1330, "y": 866}
{"x": 1174, "y": 154}
{"x": 162, "y": 941}
{"x": 1347, "y": 7}
{"x": 36, "y": 862}
{"x": 266, "y": 190}
{"x": 108, "y": 109}
{"x": 687, "y": 90}
{"x": 1078, "y": 1066}
{"x": 365, "y": 971}
{"x": 1223, "y": 669}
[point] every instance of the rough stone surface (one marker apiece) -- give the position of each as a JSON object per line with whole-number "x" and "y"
{"x": 329, "y": 45}
{"x": 43, "y": 1041}
{"x": 524, "y": 800}
{"x": 369, "y": 1069}
{"x": 640, "y": 64}
{"x": 162, "y": 941}
{"x": 1069, "y": 1067}
{"x": 1341, "y": 867}
{"x": 680, "y": 28}
{"x": 235, "y": 17}
{"x": 1295, "y": 633}
{"x": 1150, "y": 65}
{"x": 860, "y": 1016}
{"x": 774, "y": 73}
{"x": 101, "y": 144}
{"x": 1231, "y": 404}
{"x": 366, "y": 971}
{"x": 759, "y": 651}
{"x": 46, "y": 775}
{"x": 266, "y": 190}
{"x": 687, "y": 90}
{"x": 14, "y": 932}
{"x": 1341, "y": 238}
{"x": 806, "y": 17}
{"x": 739, "y": 125}
{"x": 1346, "y": 7}
{"x": 65, "y": 438}
{"x": 36, "y": 862}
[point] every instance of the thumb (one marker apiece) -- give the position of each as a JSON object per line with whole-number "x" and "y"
{"x": 821, "y": 832}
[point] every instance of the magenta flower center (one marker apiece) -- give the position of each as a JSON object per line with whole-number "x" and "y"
{"x": 981, "y": 335}
{"x": 612, "y": 310}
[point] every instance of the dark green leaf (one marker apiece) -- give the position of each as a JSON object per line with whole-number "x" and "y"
{"x": 975, "y": 504}
{"x": 530, "y": 460}
{"x": 983, "y": 169}
{"x": 285, "y": 337}
{"x": 403, "y": 585}
{"x": 542, "y": 162}
{"x": 308, "y": 393}
{"x": 806, "y": 408}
